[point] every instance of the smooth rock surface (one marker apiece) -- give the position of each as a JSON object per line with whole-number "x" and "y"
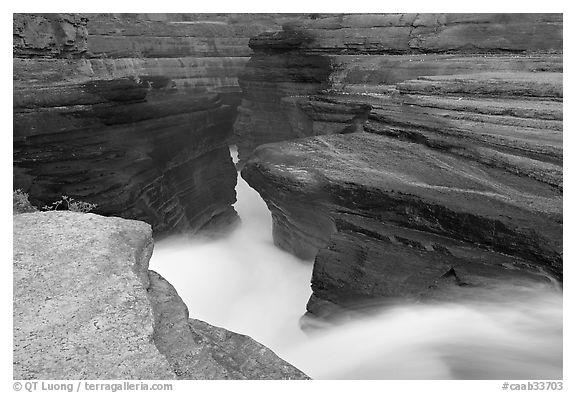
{"x": 388, "y": 219}
{"x": 514, "y": 123}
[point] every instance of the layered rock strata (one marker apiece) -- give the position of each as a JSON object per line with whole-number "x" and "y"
{"x": 130, "y": 113}
{"x": 367, "y": 53}
{"x": 114, "y": 144}
{"x": 387, "y": 219}
{"x": 87, "y": 307}
{"x": 449, "y": 176}
{"x": 511, "y": 121}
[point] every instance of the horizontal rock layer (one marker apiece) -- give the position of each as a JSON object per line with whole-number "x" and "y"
{"x": 210, "y": 73}
{"x": 86, "y": 307}
{"x": 202, "y": 35}
{"x": 510, "y": 121}
{"x": 132, "y": 149}
{"x": 458, "y": 183}
{"x": 130, "y": 113}
{"x": 423, "y": 33}
{"x": 365, "y": 53}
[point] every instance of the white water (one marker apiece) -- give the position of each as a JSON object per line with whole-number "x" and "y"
{"x": 245, "y": 284}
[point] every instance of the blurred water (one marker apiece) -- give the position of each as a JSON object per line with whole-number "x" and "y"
{"x": 245, "y": 284}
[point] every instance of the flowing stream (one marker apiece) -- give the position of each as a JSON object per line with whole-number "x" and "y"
{"x": 245, "y": 284}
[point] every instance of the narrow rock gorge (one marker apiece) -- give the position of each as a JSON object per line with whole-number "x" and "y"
{"x": 132, "y": 114}
{"x": 409, "y": 163}
{"x": 87, "y": 307}
{"x": 447, "y": 173}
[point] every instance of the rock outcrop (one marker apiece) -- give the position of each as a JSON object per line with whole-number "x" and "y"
{"x": 131, "y": 112}
{"x": 367, "y": 53}
{"x": 86, "y": 307}
{"x": 387, "y": 219}
{"x": 49, "y": 35}
{"x": 80, "y": 305}
{"x": 507, "y": 120}
{"x": 198, "y": 350}
{"x": 449, "y": 175}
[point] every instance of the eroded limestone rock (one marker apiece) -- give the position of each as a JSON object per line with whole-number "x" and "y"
{"x": 387, "y": 219}
{"x": 459, "y": 183}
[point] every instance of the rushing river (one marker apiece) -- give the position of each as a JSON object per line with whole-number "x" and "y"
{"x": 245, "y": 284}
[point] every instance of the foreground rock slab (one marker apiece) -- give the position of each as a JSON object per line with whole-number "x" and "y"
{"x": 86, "y": 307}
{"x": 80, "y": 304}
{"x": 386, "y": 218}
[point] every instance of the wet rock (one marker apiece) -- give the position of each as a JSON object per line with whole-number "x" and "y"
{"x": 198, "y": 350}
{"x": 458, "y": 183}
{"x": 385, "y": 218}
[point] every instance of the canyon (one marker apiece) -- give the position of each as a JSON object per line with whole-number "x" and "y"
{"x": 412, "y": 158}
{"x": 130, "y": 113}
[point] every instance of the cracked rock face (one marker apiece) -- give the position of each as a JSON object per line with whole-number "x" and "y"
{"x": 49, "y": 35}
{"x": 86, "y": 307}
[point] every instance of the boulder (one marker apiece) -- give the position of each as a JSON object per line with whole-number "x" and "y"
{"x": 80, "y": 305}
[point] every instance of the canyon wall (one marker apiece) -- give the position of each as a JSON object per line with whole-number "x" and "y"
{"x": 132, "y": 112}
{"x": 87, "y": 307}
{"x": 367, "y": 54}
{"x": 425, "y": 152}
